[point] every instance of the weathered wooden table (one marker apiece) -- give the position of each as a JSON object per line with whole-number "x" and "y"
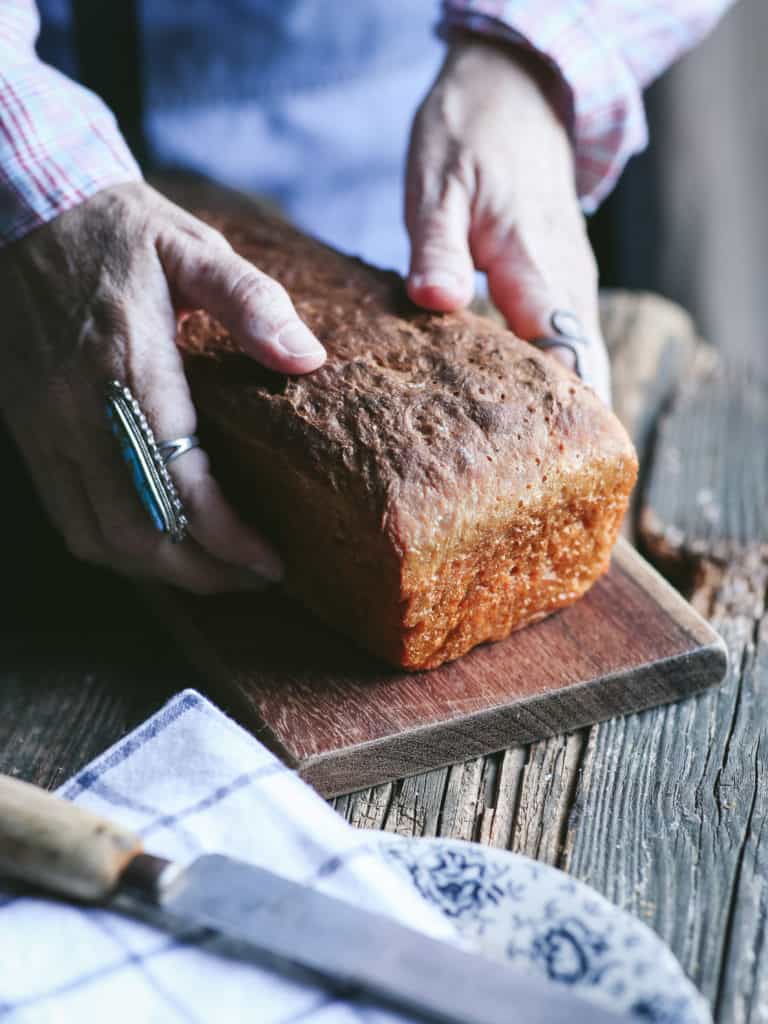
{"x": 666, "y": 812}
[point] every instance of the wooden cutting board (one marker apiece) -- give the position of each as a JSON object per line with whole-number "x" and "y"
{"x": 345, "y": 720}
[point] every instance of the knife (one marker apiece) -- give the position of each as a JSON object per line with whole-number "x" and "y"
{"x": 51, "y": 843}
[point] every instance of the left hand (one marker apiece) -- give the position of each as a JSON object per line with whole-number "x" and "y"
{"x": 93, "y": 296}
{"x": 490, "y": 186}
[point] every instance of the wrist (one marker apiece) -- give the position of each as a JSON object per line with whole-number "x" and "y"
{"x": 506, "y": 61}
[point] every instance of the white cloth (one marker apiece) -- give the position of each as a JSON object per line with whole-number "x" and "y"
{"x": 189, "y": 780}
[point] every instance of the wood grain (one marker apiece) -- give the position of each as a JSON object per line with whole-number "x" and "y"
{"x": 54, "y": 845}
{"x": 679, "y": 836}
{"x": 708, "y": 494}
{"x": 346, "y": 720}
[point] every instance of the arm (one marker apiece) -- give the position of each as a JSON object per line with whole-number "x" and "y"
{"x": 490, "y": 187}
{"x": 59, "y": 144}
{"x": 606, "y": 52}
{"x": 530, "y": 122}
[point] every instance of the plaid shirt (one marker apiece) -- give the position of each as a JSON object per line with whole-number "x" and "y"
{"x": 59, "y": 144}
{"x": 606, "y": 52}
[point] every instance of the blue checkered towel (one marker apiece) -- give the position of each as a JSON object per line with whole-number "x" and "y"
{"x": 189, "y": 780}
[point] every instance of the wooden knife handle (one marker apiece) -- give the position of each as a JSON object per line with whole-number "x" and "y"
{"x": 53, "y": 844}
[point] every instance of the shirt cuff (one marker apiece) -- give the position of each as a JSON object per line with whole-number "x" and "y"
{"x": 599, "y": 100}
{"x": 59, "y": 145}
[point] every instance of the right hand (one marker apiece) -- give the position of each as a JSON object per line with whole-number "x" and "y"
{"x": 490, "y": 186}
{"x": 93, "y": 296}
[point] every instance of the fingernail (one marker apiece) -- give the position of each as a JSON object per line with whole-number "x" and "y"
{"x": 298, "y": 340}
{"x": 442, "y": 279}
{"x": 269, "y": 566}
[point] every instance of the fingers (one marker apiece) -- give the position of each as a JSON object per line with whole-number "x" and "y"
{"x": 131, "y": 546}
{"x": 530, "y": 284}
{"x": 222, "y": 551}
{"x": 214, "y": 524}
{"x": 189, "y": 567}
{"x": 204, "y": 272}
{"x": 551, "y": 300}
{"x": 92, "y": 303}
{"x": 101, "y": 532}
{"x": 520, "y": 289}
{"x": 441, "y": 276}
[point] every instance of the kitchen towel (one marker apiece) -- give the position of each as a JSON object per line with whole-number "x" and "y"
{"x": 188, "y": 781}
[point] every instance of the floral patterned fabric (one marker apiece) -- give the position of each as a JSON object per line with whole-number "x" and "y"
{"x": 538, "y": 918}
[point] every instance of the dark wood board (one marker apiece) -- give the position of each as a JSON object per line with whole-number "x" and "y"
{"x": 346, "y": 720}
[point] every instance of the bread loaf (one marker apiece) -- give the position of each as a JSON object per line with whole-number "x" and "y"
{"x": 436, "y": 484}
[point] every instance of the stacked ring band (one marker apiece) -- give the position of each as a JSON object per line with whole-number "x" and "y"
{"x": 567, "y": 332}
{"x": 170, "y": 450}
{"x": 146, "y": 459}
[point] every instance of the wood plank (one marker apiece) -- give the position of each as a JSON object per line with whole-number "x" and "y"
{"x": 670, "y": 818}
{"x": 674, "y": 803}
{"x": 550, "y": 778}
{"x": 650, "y": 341}
{"x": 708, "y": 496}
{"x": 417, "y": 804}
{"x": 346, "y": 720}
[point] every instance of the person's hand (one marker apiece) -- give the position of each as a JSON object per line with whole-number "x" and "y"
{"x": 91, "y": 297}
{"x": 490, "y": 187}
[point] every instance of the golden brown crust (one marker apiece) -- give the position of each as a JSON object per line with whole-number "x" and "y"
{"x": 437, "y": 483}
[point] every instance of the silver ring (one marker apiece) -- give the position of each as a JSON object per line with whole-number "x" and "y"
{"x": 141, "y": 453}
{"x": 567, "y": 333}
{"x": 170, "y": 450}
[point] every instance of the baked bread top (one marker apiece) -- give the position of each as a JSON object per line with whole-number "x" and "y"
{"x": 433, "y": 420}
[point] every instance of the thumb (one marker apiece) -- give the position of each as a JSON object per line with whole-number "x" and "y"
{"x": 442, "y": 272}
{"x": 206, "y": 273}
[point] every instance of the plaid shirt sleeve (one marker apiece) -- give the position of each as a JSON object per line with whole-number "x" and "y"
{"x": 606, "y": 52}
{"x": 59, "y": 144}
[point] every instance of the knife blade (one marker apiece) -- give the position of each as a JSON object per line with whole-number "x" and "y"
{"x": 276, "y": 922}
